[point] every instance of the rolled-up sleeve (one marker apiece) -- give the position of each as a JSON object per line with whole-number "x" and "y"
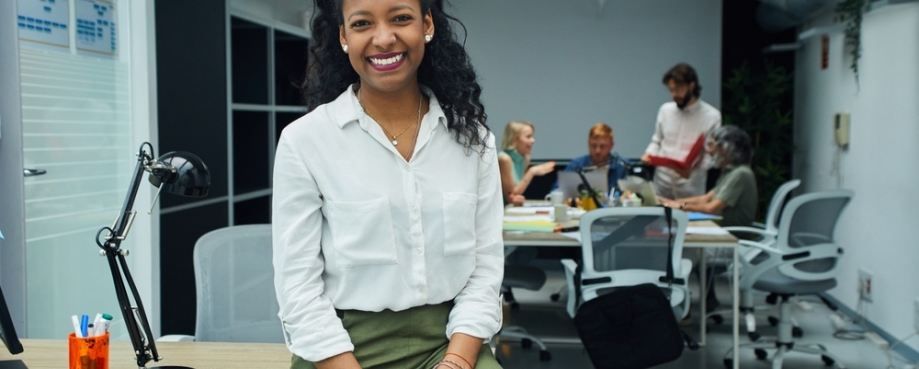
{"x": 477, "y": 309}
{"x": 312, "y": 329}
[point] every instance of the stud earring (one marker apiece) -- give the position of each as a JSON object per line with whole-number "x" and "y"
{"x": 427, "y": 38}
{"x": 345, "y": 48}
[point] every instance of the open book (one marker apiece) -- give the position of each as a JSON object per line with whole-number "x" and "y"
{"x": 690, "y": 161}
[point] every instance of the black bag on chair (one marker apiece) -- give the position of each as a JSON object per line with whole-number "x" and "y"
{"x": 632, "y": 327}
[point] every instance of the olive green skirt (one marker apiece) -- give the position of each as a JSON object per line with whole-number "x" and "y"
{"x": 410, "y": 339}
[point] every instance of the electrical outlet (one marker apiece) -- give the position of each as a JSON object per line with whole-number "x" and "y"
{"x": 916, "y": 314}
{"x": 865, "y": 284}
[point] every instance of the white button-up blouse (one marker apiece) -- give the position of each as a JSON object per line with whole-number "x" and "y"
{"x": 355, "y": 226}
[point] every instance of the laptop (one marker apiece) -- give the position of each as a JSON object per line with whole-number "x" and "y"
{"x": 641, "y": 187}
{"x": 568, "y": 182}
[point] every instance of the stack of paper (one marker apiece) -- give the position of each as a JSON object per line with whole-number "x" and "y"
{"x": 531, "y": 226}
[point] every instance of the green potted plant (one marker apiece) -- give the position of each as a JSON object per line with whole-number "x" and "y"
{"x": 758, "y": 101}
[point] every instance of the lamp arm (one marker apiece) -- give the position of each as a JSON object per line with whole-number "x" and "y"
{"x": 142, "y": 341}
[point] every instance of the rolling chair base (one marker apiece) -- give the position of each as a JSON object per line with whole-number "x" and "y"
{"x": 526, "y": 340}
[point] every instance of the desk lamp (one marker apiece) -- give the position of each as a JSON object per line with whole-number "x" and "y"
{"x": 177, "y": 172}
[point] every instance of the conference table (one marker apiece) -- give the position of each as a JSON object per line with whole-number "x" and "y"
{"x": 52, "y": 354}
{"x": 703, "y": 240}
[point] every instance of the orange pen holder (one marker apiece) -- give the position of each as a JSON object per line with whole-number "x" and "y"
{"x": 90, "y": 352}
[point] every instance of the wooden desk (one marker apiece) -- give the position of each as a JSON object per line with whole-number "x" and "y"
{"x": 52, "y": 354}
{"x": 514, "y": 239}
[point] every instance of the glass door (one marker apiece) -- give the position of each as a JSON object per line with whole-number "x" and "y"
{"x": 77, "y": 140}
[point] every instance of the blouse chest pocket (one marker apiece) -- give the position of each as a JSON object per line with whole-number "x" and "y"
{"x": 459, "y": 223}
{"x": 362, "y": 232}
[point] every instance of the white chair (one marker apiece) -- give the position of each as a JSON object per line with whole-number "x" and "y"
{"x": 803, "y": 260}
{"x": 766, "y": 234}
{"x": 626, "y": 247}
{"x": 769, "y": 230}
{"x": 234, "y": 280}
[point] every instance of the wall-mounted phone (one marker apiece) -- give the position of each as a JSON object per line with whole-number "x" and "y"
{"x": 842, "y": 129}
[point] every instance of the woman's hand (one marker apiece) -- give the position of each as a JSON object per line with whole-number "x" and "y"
{"x": 516, "y": 199}
{"x": 542, "y": 169}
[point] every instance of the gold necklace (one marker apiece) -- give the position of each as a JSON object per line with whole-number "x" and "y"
{"x": 394, "y": 141}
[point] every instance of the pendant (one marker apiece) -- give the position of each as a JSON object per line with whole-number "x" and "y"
{"x": 394, "y": 142}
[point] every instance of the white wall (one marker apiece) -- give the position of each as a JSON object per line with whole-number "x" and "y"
{"x": 877, "y": 230}
{"x": 564, "y": 67}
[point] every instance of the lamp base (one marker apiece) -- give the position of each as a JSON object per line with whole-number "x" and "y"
{"x": 12, "y": 364}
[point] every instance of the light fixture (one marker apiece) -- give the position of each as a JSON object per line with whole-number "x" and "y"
{"x": 177, "y": 172}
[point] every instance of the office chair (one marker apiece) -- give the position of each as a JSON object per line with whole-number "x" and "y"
{"x": 803, "y": 261}
{"x": 530, "y": 278}
{"x": 234, "y": 280}
{"x": 766, "y": 234}
{"x": 626, "y": 247}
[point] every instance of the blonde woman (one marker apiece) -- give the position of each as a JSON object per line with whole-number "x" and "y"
{"x": 514, "y": 161}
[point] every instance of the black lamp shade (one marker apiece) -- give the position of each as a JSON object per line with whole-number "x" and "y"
{"x": 190, "y": 179}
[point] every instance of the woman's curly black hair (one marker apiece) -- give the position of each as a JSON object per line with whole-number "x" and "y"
{"x": 445, "y": 69}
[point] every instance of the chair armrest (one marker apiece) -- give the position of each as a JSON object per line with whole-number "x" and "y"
{"x": 761, "y": 232}
{"x": 176, "y": 338}
{"x": 762, "y": 247}
{"x": 685, "y": 269}
{"x": 570, "y": 267}
{"x": 759, "y": 225}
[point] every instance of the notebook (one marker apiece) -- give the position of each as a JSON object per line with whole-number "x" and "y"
{"x": 689, "y": 161}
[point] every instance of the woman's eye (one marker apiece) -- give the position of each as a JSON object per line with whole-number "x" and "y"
{"x": 360, "y": 23}
{"x": 402, "y": 18}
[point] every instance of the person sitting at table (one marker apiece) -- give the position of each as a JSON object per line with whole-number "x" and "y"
{"x": 734, "y": 196}
{"x": 600, "y": 142}
{"x": 514, "y": 161}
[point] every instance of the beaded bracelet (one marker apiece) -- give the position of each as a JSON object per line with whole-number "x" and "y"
{"x": 449, "y": 364}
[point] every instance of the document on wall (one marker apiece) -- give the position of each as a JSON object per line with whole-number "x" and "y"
{"x": 44, "y": 22}
{"x": 96, "y": 29}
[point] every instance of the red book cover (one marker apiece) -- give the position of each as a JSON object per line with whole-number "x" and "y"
{"x": 688, "y": 162}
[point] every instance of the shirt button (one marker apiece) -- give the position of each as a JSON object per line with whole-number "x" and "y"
{"x": 422, "y": 289}
{"x": 415, "y": 209}
{"x": 419, "y": 250}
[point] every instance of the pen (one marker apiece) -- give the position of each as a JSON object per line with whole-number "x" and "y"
{"x": 567, "y": 229}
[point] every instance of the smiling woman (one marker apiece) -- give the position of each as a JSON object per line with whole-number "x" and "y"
{"x": 387, "y": 200}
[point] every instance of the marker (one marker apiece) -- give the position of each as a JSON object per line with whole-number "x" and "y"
{"x": 84, "y": 322}
{"x": 76, "y": 327}
{"x": 103, "y": 325}
{"x": 567, "y": 229}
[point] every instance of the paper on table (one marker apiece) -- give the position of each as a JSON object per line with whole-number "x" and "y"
{"x": 701, "y": 216}
{"x": 528, "y": 210}
{"x": 527, "y": 218}
{"x": 706, "y": 230}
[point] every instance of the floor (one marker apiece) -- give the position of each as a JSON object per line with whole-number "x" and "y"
{"x": 545, "y": 318}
